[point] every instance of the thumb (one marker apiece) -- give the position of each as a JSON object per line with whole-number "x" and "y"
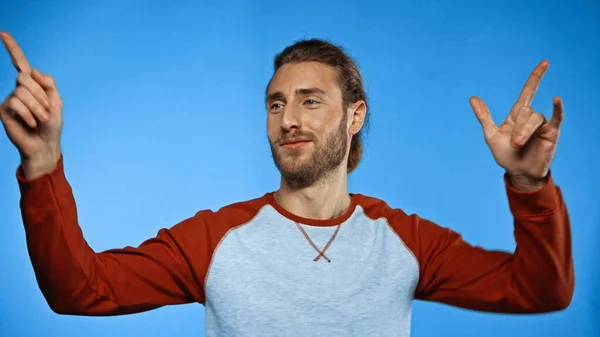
{"x": 483, "y": 116}
{"x": 43, "y": 80}
{"x": 47, "y": 83}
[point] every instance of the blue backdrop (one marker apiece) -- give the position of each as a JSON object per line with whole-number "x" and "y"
{"x": 164, "y": 116}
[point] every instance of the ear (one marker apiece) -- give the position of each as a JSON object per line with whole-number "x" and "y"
{"x": 356, "y": 117}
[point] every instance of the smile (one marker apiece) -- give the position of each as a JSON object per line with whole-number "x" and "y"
{"x": 295, "y": 145}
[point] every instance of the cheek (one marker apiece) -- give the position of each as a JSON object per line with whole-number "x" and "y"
{"x": 319, "y": 122}
{"x": 328, "y": 124}
{"x": 273, "y": 127}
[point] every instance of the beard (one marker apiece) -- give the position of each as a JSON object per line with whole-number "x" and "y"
{"x": 326, "y": 157}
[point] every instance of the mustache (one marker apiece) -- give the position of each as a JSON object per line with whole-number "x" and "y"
{"x": 293, "y": 136}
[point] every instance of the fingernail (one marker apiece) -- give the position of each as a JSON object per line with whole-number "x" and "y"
{"x": 46, "y": 103}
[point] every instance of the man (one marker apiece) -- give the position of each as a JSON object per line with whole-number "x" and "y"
{"x": 309, "y": 258}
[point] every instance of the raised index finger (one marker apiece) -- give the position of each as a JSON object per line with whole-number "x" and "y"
{"x": 532, "y": 84}
{"x": 16, "y": 54}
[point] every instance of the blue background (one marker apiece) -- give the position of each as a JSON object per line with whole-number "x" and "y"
{"x": 164, "y": 116}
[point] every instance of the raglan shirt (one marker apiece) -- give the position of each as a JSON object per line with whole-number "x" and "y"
{"x": 261, "y": 271}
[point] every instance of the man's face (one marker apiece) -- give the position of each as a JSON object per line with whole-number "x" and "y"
{"x": 306, "y": 123}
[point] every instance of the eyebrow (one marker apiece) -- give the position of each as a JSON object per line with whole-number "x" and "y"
{"x": 278, "y": 95}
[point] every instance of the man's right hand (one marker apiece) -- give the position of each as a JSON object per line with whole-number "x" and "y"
{"x": 32, "y": 115}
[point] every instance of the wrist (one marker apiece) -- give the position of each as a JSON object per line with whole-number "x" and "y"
{"x": 40, "y": 164}
{"x": 526, "y": 183}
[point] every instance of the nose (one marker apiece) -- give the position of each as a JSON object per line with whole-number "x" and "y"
{"x": 290, "y": 118}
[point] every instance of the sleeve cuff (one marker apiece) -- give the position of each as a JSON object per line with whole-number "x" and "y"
{"x": 24, "y": 181}
{"x": 544, "y": 200}
{"x": 38, "y": 193}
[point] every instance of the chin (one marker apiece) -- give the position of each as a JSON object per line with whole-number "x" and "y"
{"x": 294, "y": 163}
{"x": 293, "y": 155}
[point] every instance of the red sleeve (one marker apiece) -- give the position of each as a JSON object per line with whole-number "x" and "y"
{"x": 537, "y": 277}
{"x": 167, "y": 269}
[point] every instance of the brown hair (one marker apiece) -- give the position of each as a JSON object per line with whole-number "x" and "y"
{"x": 349, "y": 79}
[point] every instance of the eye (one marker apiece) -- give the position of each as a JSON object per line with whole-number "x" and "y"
{"x": 275, "y": 106}
{"x": 311, "y": 102}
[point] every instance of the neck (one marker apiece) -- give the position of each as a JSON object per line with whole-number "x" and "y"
{"x": 323, "y": 200}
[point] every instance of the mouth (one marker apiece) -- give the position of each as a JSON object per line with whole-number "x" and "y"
{"x": 294, "y": 144}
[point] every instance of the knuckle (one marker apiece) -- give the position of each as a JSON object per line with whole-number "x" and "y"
{"x": 20, "y": 78}
{"x": 21, "y": 92}
{"x": 525, "y": 111}
{"x": 25, "y": 114}
{"x": 21, "y": 113}
{"x": 539, "y": 116}
{"x": 23, "y": 78}
{"x": 39, "y": 92}
{"x": 12, "y": 102}
{"x": 522, "y": 135}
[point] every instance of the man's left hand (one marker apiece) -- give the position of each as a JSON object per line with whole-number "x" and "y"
{"x": 525, "y": 143}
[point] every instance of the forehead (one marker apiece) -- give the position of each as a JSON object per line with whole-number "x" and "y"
{"x": 294, "y": 76}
